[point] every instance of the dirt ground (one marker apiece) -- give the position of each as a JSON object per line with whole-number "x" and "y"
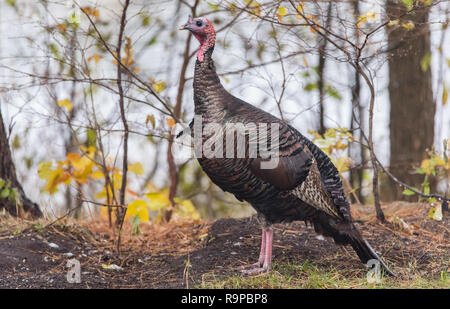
{"x": 180, "y": 254}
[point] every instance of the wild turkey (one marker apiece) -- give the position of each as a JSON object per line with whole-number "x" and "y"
{"x": 304, "y": 185}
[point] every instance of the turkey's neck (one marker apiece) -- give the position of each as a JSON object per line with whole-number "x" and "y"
{"x": 209, "y": 95}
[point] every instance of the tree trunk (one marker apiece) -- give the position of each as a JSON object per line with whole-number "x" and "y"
{"x": 356, "y": 175}
{"x": 410, "y": 91}
{"x": 321, "y": 71}
{"x": 8, "y": 173}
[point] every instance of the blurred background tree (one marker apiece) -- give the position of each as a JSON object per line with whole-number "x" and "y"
{"x": 412, "y": 112}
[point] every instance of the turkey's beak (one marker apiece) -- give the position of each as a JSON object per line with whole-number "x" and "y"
{"x": 186, "y": 26}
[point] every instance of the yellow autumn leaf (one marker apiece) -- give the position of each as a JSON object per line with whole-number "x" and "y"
{"x": 82, "y": 169}
{"x": 436, "y": 213}
{"x": 96, "y": 58}
{"x": 136, "y": 168}
{"x": 371, "y": 15}
{"x": 157, "y": 201}
{"x": 102, "y": 194}
{"x": 66, "y": 178}
{"x": 362, "y": 19}
{"x": 54, "y": 180}
{"x": 66, "y": 103}
{"x": 300, "y": 11}
{"x": 254, "y": 6}
{"x": 343, "y": 164}
{"x": 281, "y": 12}
{"x": 128, "y": 59}
{"x": 325, "y": 144}
{"x": 187, "y": 209}
{"x": 45, "y": 170}
{"x": 429, "y": 165}
{"x": 315, "y": 133}
{"x": 159, "y": 86}
{"x": 444, "y": 96}
{"x": 330, "y": 133}
{"x": 112, "y": 266}
{"x": 437, "y": 161}
{"x": 393, "y": 22}
{"x": 425, "y": 164}
{"x": 151, "y": 119}
{"x": 117, "y": 180}
{"x": 340, "y": 145}
{"x": 89, "y": 151}
{"x": 138, "y": 207}
{"x": 170, "y": 122}
{"x": 232, "y": 7}
{"x": 408, "y": 25}
{"x": 97, "y": 175}
{"x": 61, "y": 163}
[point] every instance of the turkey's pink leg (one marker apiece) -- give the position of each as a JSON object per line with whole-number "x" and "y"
{"x": 268, "y": 256}
{"x": 265, "y": 262}
{"x": 262, "y": 254}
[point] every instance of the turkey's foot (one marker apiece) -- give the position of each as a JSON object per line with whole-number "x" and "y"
{"x": 262, "y": 254}
{"x": 256, "y": 270}
{"x": 264, "y": 263}
{"x": 250, "y": 266}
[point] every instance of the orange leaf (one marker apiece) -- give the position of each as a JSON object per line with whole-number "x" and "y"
{"x": 305, "y": 62}
{"x": 62, "y": 28}
{"x": 171, "y": 122}
{"x": 96, "y": 58}
{"x": 90, "y": 11}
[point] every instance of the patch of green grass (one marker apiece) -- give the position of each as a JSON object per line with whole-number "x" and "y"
{"x": 309, "y": 276}
{"x": 38, "y": 227}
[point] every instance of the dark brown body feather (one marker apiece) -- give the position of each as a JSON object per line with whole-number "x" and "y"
{"x": 304, "y": 186}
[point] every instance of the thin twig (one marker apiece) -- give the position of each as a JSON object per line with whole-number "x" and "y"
{"x": 120, "y": 211}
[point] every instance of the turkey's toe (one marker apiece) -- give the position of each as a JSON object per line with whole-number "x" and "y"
{"x": 255, "y": 271}
{"x": 249, "y": 266}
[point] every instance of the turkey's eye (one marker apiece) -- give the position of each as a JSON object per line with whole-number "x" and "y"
{"x": 198, "y": 23}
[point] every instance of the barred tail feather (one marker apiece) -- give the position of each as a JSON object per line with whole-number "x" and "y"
{"x": 366, "y": 252}
{"x": 345, "y": 233}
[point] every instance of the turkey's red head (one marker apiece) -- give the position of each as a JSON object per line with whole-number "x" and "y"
{"x": 204, "y": 32}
